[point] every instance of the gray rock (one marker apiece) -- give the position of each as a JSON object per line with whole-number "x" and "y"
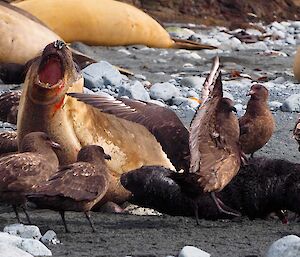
{"x": 192, "y": 93}
{"x": 231, "y": 44}
{"x": 291, "y": 40}
{"x": 257, "y": 45}
{"x": 279, "y": 80}
{"x": 291, "y": 104}
{"x": 50, "y": 237}
{"x": 101, "y": 74}
{"x": 160, "y": 103}
{"x": 180, "y": 100}
{"x": 278, "y": 34}
{"x": 278, "y": 26}
{"x": 165, "y": 91}
{"x": 124, "y": 51}
{"x": 288, "y": 246}
{"x": 295, "y": 24}
{"x": 7, "y": 250}
{"x": 34, "y": 247}
{"x": 191, "y": 251}
{"x": 135, "y": 90}
{"x": 275, "y": 105}
{"x": 24, "y": 231}
{"x": 188, "y": 54}
{"x": 195, "y": 82}
{"x": 228, "y": 95}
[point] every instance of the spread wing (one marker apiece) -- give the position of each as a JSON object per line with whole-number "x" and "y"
{"x": 215, "y": 155}
{"x": 20, "y": 172}
{"x": 9, "y": 103}
{"x": 203, "y": 123}
{"x": 162, "y": 122}
{"x": 8, "y": 142}
{"x": 79, "y": 181}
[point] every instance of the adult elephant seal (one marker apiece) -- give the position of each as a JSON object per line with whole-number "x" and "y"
{"x": 44, "y": 106}
{"x": 105, "y": 22}
{"x": 22, "y": 35}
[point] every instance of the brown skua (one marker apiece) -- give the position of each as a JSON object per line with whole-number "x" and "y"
{"x": 75, "y": 187}
{"x": 258, "y": 124}
{"x": 8, "y": 143}
{"x": 20, "y": 173}
{"x": 214, "y": 146}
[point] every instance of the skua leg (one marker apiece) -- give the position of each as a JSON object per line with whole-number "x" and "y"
{"x": 88, "y": 216}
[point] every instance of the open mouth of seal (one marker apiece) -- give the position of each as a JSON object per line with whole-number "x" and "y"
{"x": 51, "y": 71}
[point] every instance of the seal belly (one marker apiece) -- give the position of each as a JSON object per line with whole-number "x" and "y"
{"x": 130, "y": 145}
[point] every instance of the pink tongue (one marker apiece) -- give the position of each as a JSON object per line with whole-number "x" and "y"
{"x": 51, "y": 72}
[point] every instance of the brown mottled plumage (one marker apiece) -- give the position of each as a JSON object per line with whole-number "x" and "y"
{"x": 215, "y": 152}
{"x": 8, "y": 143}
{"x": 296, "y": 132}
{"x": 258, "y": 124}
{"x": 20, "y": 173}
{"x": 9, "y": 103}
{"x": 75, "y": 187}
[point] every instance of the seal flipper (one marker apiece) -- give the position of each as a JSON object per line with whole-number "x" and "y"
{"x": 190, "y": 45}
{"x": 162, "y": 122}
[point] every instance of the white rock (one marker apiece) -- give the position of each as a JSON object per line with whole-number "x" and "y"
{"x": 124, "y": 51}
{"x": 232, "y": 43}
{"x": 228, "y": 95}
{"x": 10, "y": 239}
{"x": 164, "y": 91}
{"x": 288, "y": 246}
{"x": 7, "y": 250}
{"x": 278, "y": 34}
{"x": 157, "y": 102}
{"x": 295, "y": 24}
{"x": 195, "y": 82}
{"x": 254, "y": 32}
{"x": 277, "y": 26}
{"x": 279, "y": 80}
{"x": 180, "y": 32}
{"x": 275, "y": 105}
{"x": 140, "y": 76}
{"x": 24, "y": 231}
{"x": 213, "y": 51}
{"x": 258, "y": 46}
{"x": 135, "y": 90}
{"x": 35, "y": 247}
{"x": 290, "y": 40}
{"x": 188, "y": 54}
{"x": 192, "y": 93}
{"x": 191, "y": 251}
{"x": 291, "y": 104}
{"x": 50, "y": 237}
{"x": 222, "y": 36}
{"x": 101, "y": 74}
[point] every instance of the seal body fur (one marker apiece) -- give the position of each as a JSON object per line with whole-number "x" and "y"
{"x": 92, "y": 22}
{"x": 21, "y": 38}
{"x": 74, "y": 124}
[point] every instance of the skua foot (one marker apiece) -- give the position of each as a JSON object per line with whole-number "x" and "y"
{"x": 17, "y": 213}
{"x": 223, "y": 208}
{"x": 27, "y": 216}
{"x": 62, "y": 214}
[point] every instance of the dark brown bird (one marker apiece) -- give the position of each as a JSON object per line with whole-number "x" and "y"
{"x": 8, "y": 143}
{"x": 258, "y": 124}
{"x": 20, "y": 173}
{"x": 75, "y": 187}
{"x": 162, "y": 122}
{"x": 214, "y": 140}
{"x": 296, "y": 133}
{"x": 9, "y": 103}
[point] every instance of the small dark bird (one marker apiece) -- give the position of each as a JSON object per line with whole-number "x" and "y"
{"x": 21, "y": 173}
{"x": 214, "y": 141}
{"x": 262, "y": 187}
{"x": 75, "y": 187}
{"x": 9, "y": 104}
{"x": 258, "y": 124}
{"x": 296, "y": 133}
{"x": 8, "y": 143}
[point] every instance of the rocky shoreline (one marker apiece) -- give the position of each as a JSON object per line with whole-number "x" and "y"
{"x": 268, "y": 61}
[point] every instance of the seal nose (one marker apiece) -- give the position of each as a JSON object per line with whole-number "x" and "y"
{"x": 59, "y": 44}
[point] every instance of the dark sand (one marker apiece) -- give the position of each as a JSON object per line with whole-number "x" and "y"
{"x": 122, "y": 235}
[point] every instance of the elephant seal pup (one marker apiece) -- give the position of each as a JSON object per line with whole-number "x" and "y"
{"x": 75, "y": 187}
{"x": 44, "y": 106}
{"x": 260, "y": 188}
